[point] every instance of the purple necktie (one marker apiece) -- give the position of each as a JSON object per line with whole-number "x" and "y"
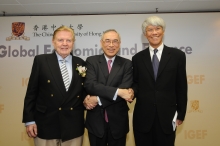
{"x": 109, "y": 65}
{"x": 109, "y": 70}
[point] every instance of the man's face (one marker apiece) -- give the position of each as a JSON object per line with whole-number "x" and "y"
{"x": 63, "y": 43}
{"x": 110, "y": 44}
{"x": 154, "y": 35}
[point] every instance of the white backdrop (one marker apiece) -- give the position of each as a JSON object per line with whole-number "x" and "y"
{"x": 196, "y": 34}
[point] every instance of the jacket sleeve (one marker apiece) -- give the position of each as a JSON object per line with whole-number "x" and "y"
{"x": 31, "y": 93}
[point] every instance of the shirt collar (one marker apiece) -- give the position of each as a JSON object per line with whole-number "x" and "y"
{"x": 68, "y": 58}
{"x": 160, "y": 48}
{"x": 106, "y": 58}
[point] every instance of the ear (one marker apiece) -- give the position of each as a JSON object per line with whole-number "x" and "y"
{"x": 53, "y": 42}
{"x": 101, "y": 43}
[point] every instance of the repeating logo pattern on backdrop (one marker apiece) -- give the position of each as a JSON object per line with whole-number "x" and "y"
{"x": 196, "y": 134}
{"x": 1, "y": 107}
{"x": 194, "y": 106}
{"x": 18, "y": 32}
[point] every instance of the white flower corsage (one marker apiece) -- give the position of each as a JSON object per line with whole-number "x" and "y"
{"x": 81, "y": 70}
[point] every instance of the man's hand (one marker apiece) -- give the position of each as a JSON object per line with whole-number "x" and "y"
{"x": 31, "y": 130}
{"x": 126, "y": 94}
{"x": 131, "y": 91}
{"x": 178, "y": 122}
{"x": 90, "y": 102}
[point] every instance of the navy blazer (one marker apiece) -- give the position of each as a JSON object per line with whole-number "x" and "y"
{"x": 57, "y": 113}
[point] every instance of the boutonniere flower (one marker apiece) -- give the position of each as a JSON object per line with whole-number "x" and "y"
{"x": 81, "y": 70}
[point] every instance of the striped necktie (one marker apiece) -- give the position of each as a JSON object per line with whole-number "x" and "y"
{"x": 65, "y": 74}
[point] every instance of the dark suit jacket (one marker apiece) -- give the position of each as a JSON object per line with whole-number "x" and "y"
{"x": 100, "y": 83}
{"x": 57, "y": 113}
{"x": 165, "y": 95}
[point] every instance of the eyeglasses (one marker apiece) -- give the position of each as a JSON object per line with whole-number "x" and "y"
{"x": 108, "y": 42}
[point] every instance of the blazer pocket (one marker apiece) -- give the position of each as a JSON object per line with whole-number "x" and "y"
{"x": 41, "y": 108}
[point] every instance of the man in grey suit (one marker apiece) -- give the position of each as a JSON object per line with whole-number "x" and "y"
{"x": 53, "y": 106}
{"x": 160, "y": 88}
{"x": 107, "y": 80}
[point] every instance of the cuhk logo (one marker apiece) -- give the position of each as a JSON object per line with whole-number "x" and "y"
{"x": 18, "y": 32}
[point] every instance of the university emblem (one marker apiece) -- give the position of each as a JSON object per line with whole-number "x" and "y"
{"x": 18, "y": 32}
{"x": 194, "y": 106}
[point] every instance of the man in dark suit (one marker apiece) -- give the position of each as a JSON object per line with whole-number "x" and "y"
{"x": 53, "y": 105}
{"x": 160, "y": 88}
{"x": 108, "y": 77}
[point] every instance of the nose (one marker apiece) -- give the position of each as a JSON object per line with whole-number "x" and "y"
{"x": 111, "y": 43}
{"x": 154, "y": 31}
{"x": 64, "y": 42}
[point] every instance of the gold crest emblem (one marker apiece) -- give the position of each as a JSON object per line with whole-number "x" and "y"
{"x": 18, "y": 28}
{"x": 18, "y": 32}
{"x": 194, "y": 105}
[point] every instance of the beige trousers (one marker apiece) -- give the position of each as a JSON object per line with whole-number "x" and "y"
{"x": 57, "y": 142}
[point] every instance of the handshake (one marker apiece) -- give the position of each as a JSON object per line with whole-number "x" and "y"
{"x": 91, "y": 101}
{"x": 126, "y": 94}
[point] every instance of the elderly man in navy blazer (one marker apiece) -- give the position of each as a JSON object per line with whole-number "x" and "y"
{"x": 53, "y": 105}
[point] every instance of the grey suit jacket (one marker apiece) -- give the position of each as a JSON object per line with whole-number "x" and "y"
{"x": 100, "y": 83}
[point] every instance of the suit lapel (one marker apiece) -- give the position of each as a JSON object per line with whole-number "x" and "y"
{"x": 115, "y": 68}
{"x": 56, "y": 73}
{"x": 75, "y": 74}
{"x": 147, "y": 61}
{"x": 75, "y": 78}
{"x": 164, "y": 60}
{"x": 103, "y": 66}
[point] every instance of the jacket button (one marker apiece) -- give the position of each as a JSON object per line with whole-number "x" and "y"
{"x": 82, "y": 83}
{"x": 51, "y": 95}
{"x": 48, "y": 81}
{"x": 77, "y": 96}
{"x": 71, "y": 108}
{"x": 60, "y": 109}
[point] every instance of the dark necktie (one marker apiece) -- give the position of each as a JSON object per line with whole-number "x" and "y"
{"x": 155, "y": 63}
{"x": 109, "y": 70}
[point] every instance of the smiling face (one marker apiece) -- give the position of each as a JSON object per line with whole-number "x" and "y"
{"x": 63, "y": 42}
{"x": 110, "y": 43}
{"x": 154, "y": 35}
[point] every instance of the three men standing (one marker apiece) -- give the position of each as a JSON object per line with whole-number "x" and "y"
{"x": 53, "y": 111}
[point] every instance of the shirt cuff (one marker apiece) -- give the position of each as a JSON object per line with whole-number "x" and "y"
{"x": 115, "y": 96}
{"x": 29, "y": 123}
{"x": 99, "y": 101}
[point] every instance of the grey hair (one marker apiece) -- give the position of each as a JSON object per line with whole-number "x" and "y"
{"x": 109, "y": 30}
{"x": 155, "y": 21}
